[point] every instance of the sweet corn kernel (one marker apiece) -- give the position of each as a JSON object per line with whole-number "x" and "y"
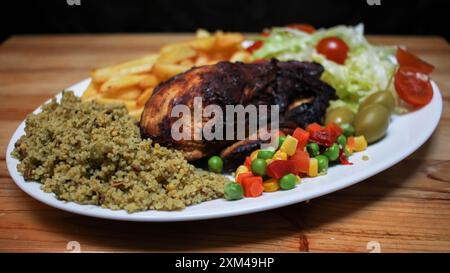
{"x": 268, "y": 161}
{"x": 289, "y": 145}
{"x": 313, "y": 167}
{"x": 254, "y": 154}
{"x": 279, "y": 155}
{"x": 298, "y": 179}
{"x": 271, "y": 185}
{"x": 241, "y": 169}
{"x": 360, "y": 143}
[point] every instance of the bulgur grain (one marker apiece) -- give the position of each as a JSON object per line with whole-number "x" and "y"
{"x": 92, "y": 153}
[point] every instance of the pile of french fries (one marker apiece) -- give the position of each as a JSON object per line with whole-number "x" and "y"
{"x": 132, "y": 82}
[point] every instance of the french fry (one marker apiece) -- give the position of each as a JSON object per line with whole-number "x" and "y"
{"x": 131, "y": 93}
{"x": 137, "y": 66}
{"x": 228, "y": 40}
{"x": 132, "y": 83}
{"x": 143, "y": 98}
{"x": 130, "y": 104}
{"x": 206, "y": 43}
{"x": 91, "y": 92}
{"x": 166, "y": 71}
{"x": 241, "y": 56}
{"x": 202, "y": 33}
{"x": 176, "y": 55}
{"x": 136, "y": 113}
{"x": 150, "y": 80}
{"x": 120, "y": 82}
{"x": 202, "y": 59}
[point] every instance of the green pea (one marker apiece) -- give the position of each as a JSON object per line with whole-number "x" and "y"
{"x": 332, "y": 152}
{"x": 233, "y": 191}
{"x": 347, "y": 129}
{"x": 313, "y": 149}
{"x": 215, "y": 164}
{"x": 281, "y": 139}
{"x": 259, "y": 166}
{"x": 265, "y": 154}
{"x": 342, "y": 140}
{"x": 322, "y": 162}
{"x": 288, "y": 181}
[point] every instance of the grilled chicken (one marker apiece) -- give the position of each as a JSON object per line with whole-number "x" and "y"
{"x": 294, "y": 86}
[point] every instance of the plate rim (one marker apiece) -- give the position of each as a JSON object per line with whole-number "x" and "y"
{"x": 121, "y": 215}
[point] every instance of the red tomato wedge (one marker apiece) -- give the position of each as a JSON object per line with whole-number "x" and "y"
{"x": 405, "y": 58}
{"x": 413, "y": 86}
{"x": 334, "y": 48}
{"x": 303, "y": 27}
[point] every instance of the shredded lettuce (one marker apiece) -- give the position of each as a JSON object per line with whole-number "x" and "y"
{"x": 367, "y": 69}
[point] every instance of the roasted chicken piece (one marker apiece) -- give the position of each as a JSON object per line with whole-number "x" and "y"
{"x": 295, "y": 86}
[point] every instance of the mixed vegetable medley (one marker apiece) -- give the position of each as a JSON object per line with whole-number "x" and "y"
{"x": 307, "y": 152}
{"x": 372, "y": 83}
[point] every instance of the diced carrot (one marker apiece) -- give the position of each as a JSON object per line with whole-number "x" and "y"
{"x": 351, "y": 143}
{"x": 313, "y": 127}
{"x": 302, "y": 136}
{"x": 253, "y": 186}
{"x": 240, "y": 177}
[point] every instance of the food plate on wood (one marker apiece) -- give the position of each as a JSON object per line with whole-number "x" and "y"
{"x": 105, "y": 146}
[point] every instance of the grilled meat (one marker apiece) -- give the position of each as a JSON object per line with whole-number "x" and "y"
{"x": 294, "y": 86}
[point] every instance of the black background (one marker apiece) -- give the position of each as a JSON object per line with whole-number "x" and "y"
{"x": 419, "y": 17}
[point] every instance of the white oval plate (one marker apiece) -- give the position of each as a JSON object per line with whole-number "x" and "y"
{"x": 402, "y": 139}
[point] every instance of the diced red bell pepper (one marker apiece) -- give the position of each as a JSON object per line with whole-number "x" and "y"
{"x": 323, "y": 137}
{"x": 301, "y": 158}
{"x": 343, "y": 158}
{"x": 279, "y": 168}
{"x": 334, "y": 129}
{"x": 302, "y": 136}
{"x": 248, "y": 162}
{"x": 313, "y": 127}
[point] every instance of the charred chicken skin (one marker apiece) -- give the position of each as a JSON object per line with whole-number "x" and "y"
{"x": 294, "y": 86}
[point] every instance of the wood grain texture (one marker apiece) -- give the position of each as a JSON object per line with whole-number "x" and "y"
{"x": 406, "y": 208}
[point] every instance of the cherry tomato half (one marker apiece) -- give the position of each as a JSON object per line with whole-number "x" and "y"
{"x": 333, "y": 48}
{"x": 303, "y": 27}
{"x": 404, "y": 58}
{"x": 413, "y": 86}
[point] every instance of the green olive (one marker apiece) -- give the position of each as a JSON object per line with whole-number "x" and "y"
{"x": 372, "y": 122}
{"x": 340, "y": 115}
{"x": 384, "y": 98}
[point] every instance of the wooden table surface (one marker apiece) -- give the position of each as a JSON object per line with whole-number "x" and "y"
{"x": 403, "y": 209}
